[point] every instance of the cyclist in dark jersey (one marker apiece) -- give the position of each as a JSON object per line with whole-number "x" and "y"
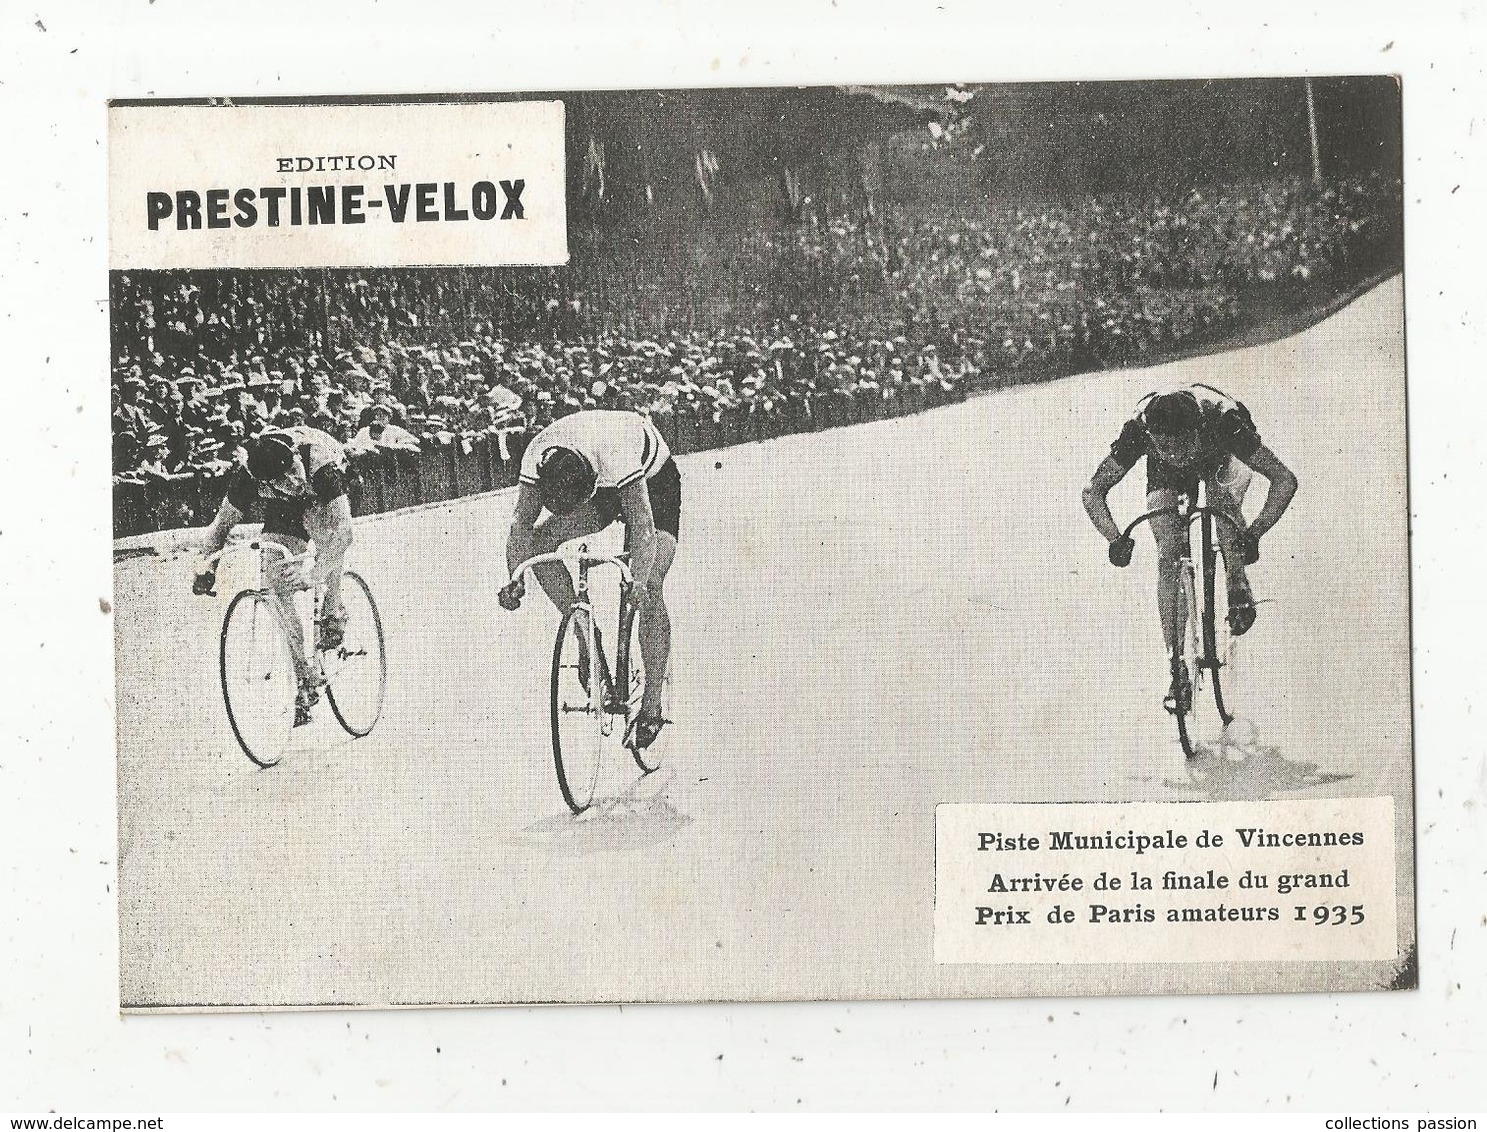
{"x": 1190, "y": 435}
{"x": 299, "y": 476}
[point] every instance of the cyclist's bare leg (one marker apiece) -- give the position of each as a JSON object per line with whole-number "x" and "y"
{"x": 331, "y": 607}
{"x": 1170, "y": 541}
{"x": 329, "y": 561}
{"x": 281, "y": 593}
{"x": 655, "y": 625}
{"x": 1226, "y": 492}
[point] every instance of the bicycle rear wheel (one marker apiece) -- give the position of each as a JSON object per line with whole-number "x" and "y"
{"x": 577, "y": 719}
{"x": 356, "y": 670}
{"x": 258, "y": 679}
{"x": 647, "y": 758}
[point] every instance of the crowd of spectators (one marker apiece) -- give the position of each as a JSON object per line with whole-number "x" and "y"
{"x": 756, "y": 325}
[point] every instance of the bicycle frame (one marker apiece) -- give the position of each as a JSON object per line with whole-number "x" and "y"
{"x": 326, "y": 666}
{"x": 608, "y": 696}
{"x": 269, "y": 550}
{"x": 604, "y": 691}
{"x": 1188, "y": 511}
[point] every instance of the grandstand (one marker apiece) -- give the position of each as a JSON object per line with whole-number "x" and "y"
{"x": 750, "y": 264}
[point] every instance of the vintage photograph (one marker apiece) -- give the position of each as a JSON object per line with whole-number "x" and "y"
{"x": 608, "y": 625}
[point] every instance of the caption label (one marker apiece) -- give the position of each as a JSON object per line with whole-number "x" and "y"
{"x": 398, "y": 185}
{"x": 1174, "y": 882}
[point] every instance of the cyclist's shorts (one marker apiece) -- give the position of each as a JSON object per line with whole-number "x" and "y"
{"x": 1227, "y": 486}
{"x": 1232, "y": 480}
{"x": 1229, "y": 474}
{"x": 666, "y": 501}
{"x": 284, "y": 517}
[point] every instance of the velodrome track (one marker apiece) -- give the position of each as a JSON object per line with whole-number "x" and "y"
{"x": 869, "y": 621}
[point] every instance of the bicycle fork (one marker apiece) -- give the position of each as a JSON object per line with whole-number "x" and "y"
{"x": 1198, "y": 636}
{"x": 600, "y": 694}
{"x": 1185, "y": 634}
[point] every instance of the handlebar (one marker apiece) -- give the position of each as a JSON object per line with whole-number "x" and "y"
{"x": 1190, "y": 515}
{"x": 272, "y": 546}
{"x": 581, "y": 558}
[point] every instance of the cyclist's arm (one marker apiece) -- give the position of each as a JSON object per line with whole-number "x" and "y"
{"x": 330, "y": 526}
{"x": 330, "y": 516}
{"x": 1278, "y": 497}
{"x": 523, "y": 519}
{"x": 215, "y": 536}
{"x": 239, "y": 499}
{"x": 1110, "y": 472}
{"x": 640, "y": 521}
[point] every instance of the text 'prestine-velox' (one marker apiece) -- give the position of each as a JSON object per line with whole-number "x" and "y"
{"x": 276, "y": 205}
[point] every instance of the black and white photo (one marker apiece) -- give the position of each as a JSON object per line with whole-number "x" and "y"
{"x": 590, "y": 550}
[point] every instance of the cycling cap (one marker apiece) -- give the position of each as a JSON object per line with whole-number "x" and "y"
{"x": 564, "y": 479}
{"x": 1172, "y": 414}
{"x": 270, "y": 455}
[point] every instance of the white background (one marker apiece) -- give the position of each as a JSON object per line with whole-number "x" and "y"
{"x": 62, "y": 1044}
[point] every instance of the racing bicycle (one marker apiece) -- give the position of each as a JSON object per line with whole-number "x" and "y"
{"x": 592, "y": 705}
{"x": 257, "y": 668}
{"x": 1208, "y": 650}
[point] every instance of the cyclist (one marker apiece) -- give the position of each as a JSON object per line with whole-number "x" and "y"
{"x": 1192, "y": 434}
{"x": 300, "y": 475}
{"x": 589, "y": 469}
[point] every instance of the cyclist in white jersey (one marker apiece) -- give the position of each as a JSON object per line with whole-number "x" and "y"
{"x": 587, "y": 470}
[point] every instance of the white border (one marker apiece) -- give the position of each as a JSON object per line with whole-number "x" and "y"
{"x": 61, "y": 1041}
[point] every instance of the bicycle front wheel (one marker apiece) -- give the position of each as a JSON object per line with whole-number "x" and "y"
{"x": 1187, "y": 670}
{"x": 578, "y": 718}
{"x": 356, "y": 670}
{"x": 258, "y": 678}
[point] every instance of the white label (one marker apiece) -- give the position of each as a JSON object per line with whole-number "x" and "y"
{"x": 1170, "y": 882}
{"x": 337, "y": 186}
